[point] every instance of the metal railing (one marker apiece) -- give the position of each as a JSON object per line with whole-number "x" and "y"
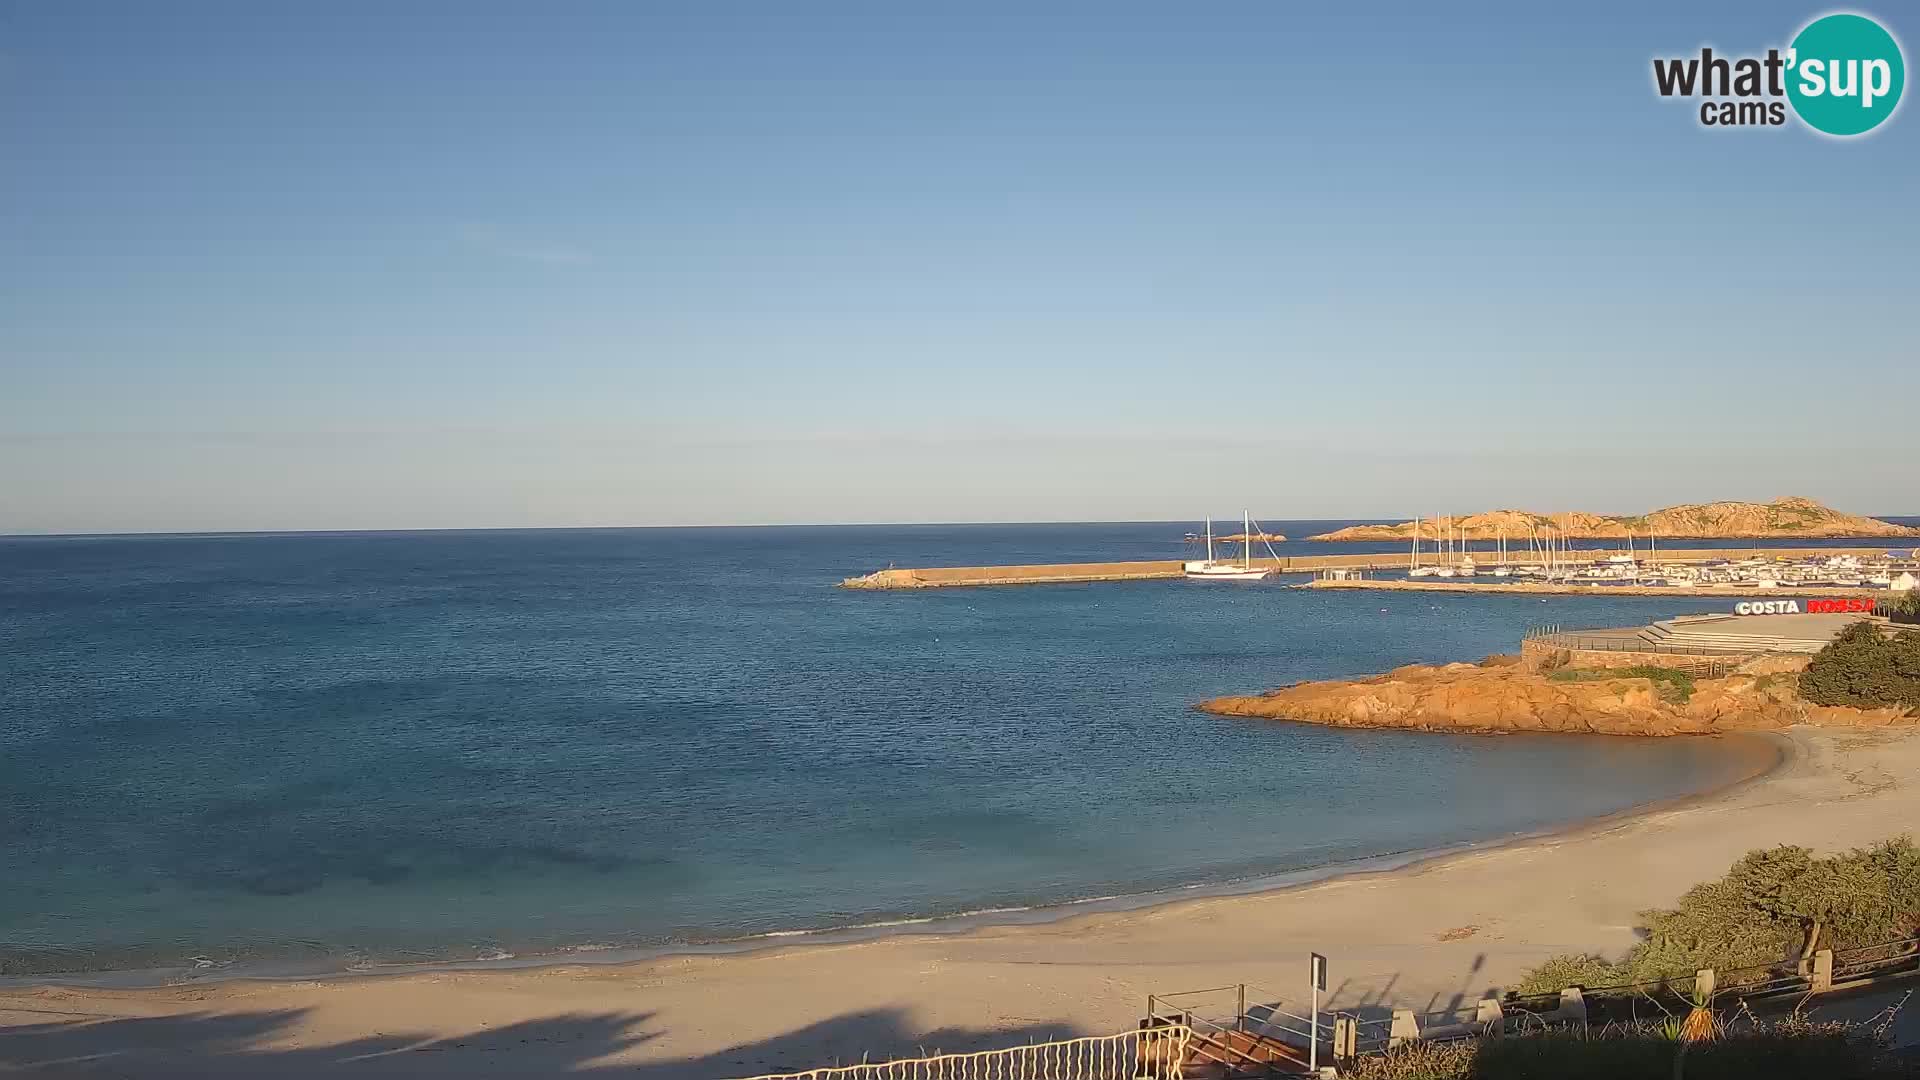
{"x": 1252, "y": 1030}
{"x": 1159, "y": 1051}
{"x": 1262, "y": 1037}
{"x": 1877, "y": 961}
{"x": 1550, "y": 629}
{"x": 1824, "y": 971}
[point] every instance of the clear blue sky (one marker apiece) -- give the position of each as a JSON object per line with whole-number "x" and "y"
{"x": 359, "y": 265}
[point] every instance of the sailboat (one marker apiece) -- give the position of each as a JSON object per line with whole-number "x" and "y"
{"x": 1212, "y": 569}
{"x": 1502, "y": 570}
{"x": 1416, "y": 568}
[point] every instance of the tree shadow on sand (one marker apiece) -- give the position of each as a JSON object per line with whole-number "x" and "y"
{"x": 228, "y": 1046}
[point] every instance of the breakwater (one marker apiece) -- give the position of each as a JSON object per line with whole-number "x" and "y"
{"x": 1062, "y": 573}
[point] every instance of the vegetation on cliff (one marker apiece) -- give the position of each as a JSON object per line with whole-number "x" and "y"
{"x": 1787, "y": 517}
{"x": 1865, "y": 668}
{"x": 1773, "y": 906}
{"x": 1674, "y": 686}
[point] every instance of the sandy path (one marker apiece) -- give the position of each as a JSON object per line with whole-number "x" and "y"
{"x": 1448, "y": 931}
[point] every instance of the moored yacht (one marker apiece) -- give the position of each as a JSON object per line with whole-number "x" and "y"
{"x": 1212, "y": 569}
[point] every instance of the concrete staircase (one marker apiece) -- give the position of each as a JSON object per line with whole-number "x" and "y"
{"x": 1737, "y": 634}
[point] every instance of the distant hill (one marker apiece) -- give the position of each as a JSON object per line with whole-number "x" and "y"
{"x": 1788, "y": 517}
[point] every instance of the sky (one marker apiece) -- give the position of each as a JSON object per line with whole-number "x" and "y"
{"x": 408, "y": 265}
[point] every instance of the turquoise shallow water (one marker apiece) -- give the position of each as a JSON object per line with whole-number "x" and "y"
{"x": 316, "y": 751}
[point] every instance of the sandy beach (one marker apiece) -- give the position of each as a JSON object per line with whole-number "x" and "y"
{"x": 1444, "y": 932}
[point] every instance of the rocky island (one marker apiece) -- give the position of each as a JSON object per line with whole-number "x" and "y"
{"x": 1503, "y": 694}
{"x": 1788, "y": 517}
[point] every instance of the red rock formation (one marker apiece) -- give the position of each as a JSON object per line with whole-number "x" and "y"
{"x": 1501, "y": 696}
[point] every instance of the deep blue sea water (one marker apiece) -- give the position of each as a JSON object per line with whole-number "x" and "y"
{"x": 323, "y": 750}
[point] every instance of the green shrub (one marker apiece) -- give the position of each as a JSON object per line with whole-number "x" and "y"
{"x": 1866, "y": 669}
{"x": 1906, "y": 609}
{"x": 1674, "y": 686}
{"x": 1573, "y": 969}
{"x": 1773, "y": 906}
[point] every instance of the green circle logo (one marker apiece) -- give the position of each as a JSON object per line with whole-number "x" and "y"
{"x": 1845, "y": 74}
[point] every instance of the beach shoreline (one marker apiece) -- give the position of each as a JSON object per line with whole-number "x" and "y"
{"x": 1435, "y": 934}
{"x": 1770, "y": 753}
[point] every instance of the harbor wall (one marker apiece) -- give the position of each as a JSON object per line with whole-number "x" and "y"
{"x": 1060, "y": 573}
{"x": 1055, "y": 573}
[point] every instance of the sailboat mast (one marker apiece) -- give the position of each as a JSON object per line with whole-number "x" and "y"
{"x": 1246, "y": 534}
{"x": 1413, "y": 553}
{"x": 1209, "y": 537}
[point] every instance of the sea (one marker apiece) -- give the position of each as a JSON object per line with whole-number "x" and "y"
{"x": 326, "y": 752}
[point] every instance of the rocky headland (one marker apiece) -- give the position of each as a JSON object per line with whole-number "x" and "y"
{"x": 1788, "y": 517}
{"x": 1501, "y": 694}
{"x": 1240, "y": 538}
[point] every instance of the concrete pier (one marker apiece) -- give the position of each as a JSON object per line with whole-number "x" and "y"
{"x": 1061, "y": 573}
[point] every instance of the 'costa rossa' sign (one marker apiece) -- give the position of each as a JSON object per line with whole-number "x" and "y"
{"x": 1792, "y": 607}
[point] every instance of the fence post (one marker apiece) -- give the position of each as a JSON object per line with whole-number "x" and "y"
{"x": 1822, "y": 971}
{"x": 1404, "y": 1029}
{"x": 1573, "y": 1005}
{"x": 1490, "y": 1018}
{"x": 1346, "y": 1038}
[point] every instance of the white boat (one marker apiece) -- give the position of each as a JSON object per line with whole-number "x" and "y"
{"x": 1416, "y": 567}
{"x": 1212, "y": 569}
{"x": 1447, "y": 567}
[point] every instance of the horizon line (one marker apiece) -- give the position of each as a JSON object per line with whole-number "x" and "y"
{"x": 388, "y": 530}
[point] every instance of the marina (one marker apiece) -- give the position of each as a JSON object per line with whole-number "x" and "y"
{"x": 1695, "y": 571}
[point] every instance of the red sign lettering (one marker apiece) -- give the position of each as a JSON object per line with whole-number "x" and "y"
{"x": 1836, "y": 606}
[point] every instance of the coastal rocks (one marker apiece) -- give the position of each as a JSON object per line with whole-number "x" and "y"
{"x": 1787, "y": 517}
{"x": 1503, "y": 697}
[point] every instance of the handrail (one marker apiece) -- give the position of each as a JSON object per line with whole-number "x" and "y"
{"x": 1099, "y": 1057}
{"x": 1264, "y": 1020}
{"x": 1204, "y": 1044}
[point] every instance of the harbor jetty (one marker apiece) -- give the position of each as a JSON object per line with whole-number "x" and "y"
{"x": 1063, "y": 573}
{"x": 1050, "y": 573}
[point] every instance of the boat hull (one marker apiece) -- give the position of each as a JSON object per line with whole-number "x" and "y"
{"x": 1218, "y": 572}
